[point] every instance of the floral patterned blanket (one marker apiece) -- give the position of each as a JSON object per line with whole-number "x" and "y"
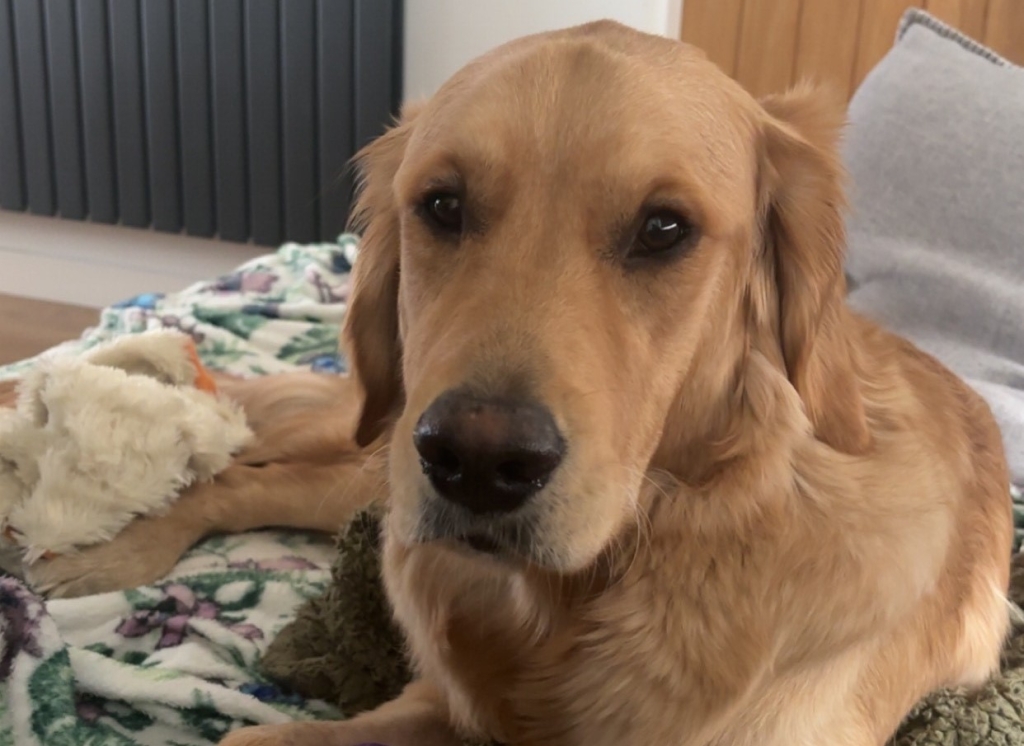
{"x": 176, "y": 663}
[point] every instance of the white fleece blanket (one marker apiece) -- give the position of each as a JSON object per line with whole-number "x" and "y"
{"x": 176, "y": 662}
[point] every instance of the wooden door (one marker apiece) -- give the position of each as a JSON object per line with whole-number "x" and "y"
{"x": 768, "y": 45}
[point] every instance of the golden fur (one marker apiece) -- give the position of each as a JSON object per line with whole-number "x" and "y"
{"x": 777, "y": 525}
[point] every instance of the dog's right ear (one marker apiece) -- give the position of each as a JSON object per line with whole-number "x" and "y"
{"x": 803, "y": 207}
{"x": 370, "y": 334}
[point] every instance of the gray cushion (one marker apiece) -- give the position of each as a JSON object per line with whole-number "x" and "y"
{"x": 935, "y": 150}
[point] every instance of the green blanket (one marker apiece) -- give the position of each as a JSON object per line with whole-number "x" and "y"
{"x": 344, "y": 648}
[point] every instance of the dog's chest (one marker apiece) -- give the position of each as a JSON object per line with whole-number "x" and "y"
{"x": 591, "y": 672}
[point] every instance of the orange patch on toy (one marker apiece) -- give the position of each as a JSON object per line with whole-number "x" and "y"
{"x": 204, "y": 381}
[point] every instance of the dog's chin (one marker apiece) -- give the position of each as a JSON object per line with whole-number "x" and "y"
{"x": 484, "y": 547}
{"x": 508, "y": 548}
{"x": 482, "y": 544}
{"x": 487, "y": 545}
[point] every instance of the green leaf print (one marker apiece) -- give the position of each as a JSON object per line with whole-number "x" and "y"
{"x": 138, "y": 597}
{"x": 240, "y": 662}
{"x": 101, "y": 649}
{"x": 53, "y": 721}
{"x": 321, "y": 339}
{"x": 129, "y": 718}
{"x": 223, "y": 352}
{"x": 238, "y": 323}
{"x": 203, "y": 718}
{"x": 213, "y": 545}
{"x": 135, "y": 658}
{"x": 206, "y": 586}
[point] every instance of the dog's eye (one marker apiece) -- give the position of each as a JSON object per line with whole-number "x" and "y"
{"x": 660, "y": 232}
{"x": 444, "y": 209}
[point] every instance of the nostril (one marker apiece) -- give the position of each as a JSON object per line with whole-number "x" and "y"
{"x": 437, "y": 457}
{"x": 443, "y": 463}
{"x": 513, "y": 471}
{"x": 532, "y": 469}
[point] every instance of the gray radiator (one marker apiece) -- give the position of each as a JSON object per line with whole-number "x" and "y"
{"x": 230, "y": 118}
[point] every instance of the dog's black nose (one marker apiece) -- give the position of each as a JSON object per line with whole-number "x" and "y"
{"x": 488, "y": 455}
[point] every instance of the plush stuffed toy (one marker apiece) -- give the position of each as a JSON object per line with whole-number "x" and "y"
{"x": 98, "y": 439}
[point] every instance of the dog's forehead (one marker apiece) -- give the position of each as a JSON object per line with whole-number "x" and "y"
{"x": 580, "y": 102}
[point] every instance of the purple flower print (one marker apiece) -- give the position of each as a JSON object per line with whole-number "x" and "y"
{"x": 258, "y": 282}
{"x": 173, "y": 633}
{"x": 171, "y": 321}
{"x": 141, "y": 623}
{"x": 22, "y": 613}
{"x": 89, "y": 710}
{"x": 246, "y": 282}
{"x": 172, "y": 615}
{"x": 248, "y": 631}
{"x": 326, "y": 293}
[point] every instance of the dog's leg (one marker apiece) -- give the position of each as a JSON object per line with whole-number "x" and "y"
{"x": 319, "y": 497}
{"x": 8, "y": 393}
{"x": 299, "y": 416}
{"x": 416, "y": 718}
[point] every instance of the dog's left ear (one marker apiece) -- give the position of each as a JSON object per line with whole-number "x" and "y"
{"x": 803, "y": 210}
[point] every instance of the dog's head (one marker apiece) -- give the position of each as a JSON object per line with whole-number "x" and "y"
{"x": 570, "y": 254}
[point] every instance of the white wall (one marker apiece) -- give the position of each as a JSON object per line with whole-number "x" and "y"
{"x": 443, "y": 35}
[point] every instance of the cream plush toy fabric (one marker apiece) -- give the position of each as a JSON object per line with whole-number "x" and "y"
{"x": 98, "y": 439}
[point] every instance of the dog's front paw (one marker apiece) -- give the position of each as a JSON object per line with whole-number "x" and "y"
{"x": 144, "y": 552}
{"x": 296, "y": 734}
{"x": 362, "y": 731}
{"x": 261, "y": 735}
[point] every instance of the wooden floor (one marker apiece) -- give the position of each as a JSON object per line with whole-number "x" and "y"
{"x": 28, "y": 327}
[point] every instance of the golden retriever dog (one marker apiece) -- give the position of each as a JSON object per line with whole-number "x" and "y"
{"x": 650, "y": 481}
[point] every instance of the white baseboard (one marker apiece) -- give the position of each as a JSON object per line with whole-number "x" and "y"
{"x": 95, "y": 265}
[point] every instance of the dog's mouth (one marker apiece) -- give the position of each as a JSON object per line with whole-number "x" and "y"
{"x": 476, "y": 536}
{"x": 482, "y": 544}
